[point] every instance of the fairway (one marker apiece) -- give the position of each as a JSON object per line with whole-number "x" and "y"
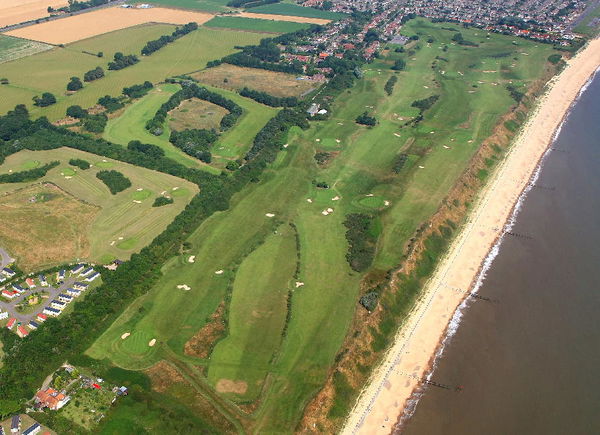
{"x": 283, "y": 233}
{"x": 234, "y": 77}
{"x": 255, "y": 24}
{"x": 88, "y": 222}
{"x": 50, "y": 71}
{"x": 16, "y": 48}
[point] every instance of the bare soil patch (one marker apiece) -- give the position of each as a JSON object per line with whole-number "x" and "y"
{"x": 163, "y": 375}
{"x": 45, "y": 226}
{"x": 95, "y": 23}
{"x": 19, "y": 11}
{"x": 274, "y": 83}
{"x": 196, "y": 113}
{"x": 203, "y": 342}
{"x": 284, "y": 18}
{"x": 229, "y": 386}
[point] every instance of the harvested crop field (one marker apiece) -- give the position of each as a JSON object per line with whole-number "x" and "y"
{"x": 235, "y": 78}
{"x": 102, "y": 21}
{"x": 19, "y": 11}
{"x": 291, "y": 18}
{"x": 196, "y": 114}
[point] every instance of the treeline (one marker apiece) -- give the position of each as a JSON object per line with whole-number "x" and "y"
{"x": 28, "y": 361}
{"x": 75, "y": 6}
{"x": 138, "y": 91}
{"x": 425, "y": 103}
{"x": 195, "y": 142}
{"x": 269, "y": 100}
{"x": 389, "y": 85}
{"x": 266, "y": 55}
{"x": 121, "y": 61}
{"x": 157, "y": 44}
{"x": 114, "y": 180}
{"x": 361, "y": 242}
{"x": 155, "y": 125}
{"x": 250, "y": 3}
{"x": 29, "y": 175}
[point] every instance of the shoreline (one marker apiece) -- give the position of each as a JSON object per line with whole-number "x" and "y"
{"x": 394, "y": 387}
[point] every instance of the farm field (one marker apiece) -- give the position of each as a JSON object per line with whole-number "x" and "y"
{"x": 254, "y": 24}
{"x": 83, "y": 26}
{"x": 50, "y": 71}
{"x": 95, "y": 225}
{"x": 294, "y": 10}
{"x": 19, "y": 11}
{"x": 295, "y": 355}
{"x": 294, "y": 18}
{"x": 201, "y": 5}
{"x": 234, "y": 77}
{"x": 15, "y": 48}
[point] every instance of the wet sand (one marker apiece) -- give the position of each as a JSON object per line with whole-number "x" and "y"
{"x": 409, "y": 359}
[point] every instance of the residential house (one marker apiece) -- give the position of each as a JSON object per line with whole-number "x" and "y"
{"x": 2, "y": 278}
{"x": 87, "y": 271}
{"x": 77, "y": 269}
{"x": 15, "y": 423}
{"x": 3, "y": 315}
{"x": 9, "y": 294}
{"x": 313, "y": 109}
{"x": 80, "y": 286}
{"x": 43, "y": 280}
{"x": 22, "y": 332}
{"x": 1, "y": 430}
{"x": 8, "y": 272}
{"x": 11, "y": 322}
{"x": 92, "y": 277}
{"x": 65, "y": 298}
{"x": 30, "y": 282}
{"x": 52, "y": 399}
{"x": 33, "y": 429}
{"x": 49, "y": 311}
{"x": 33, "y": 325}
{"x": 58, "y": 304}
{"x": 60, "y": 275}
{"x": 41, "y": 317}
{"x": 73, "y": 292}
{"x": 18, "y": 288}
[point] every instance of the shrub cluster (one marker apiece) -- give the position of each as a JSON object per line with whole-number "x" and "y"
{"x": 121, "y": 61}
{"x": 138, "y": 91}
{"x": 389, "y": 85}
{"x": 46, "y": 99}
{"x": 111, "y": 104}
{"x": 399, "y": 162}
{"x": 114, "y": 180}
{"x": 269, "y": 100}
{"x": 74, "y": 84}
{"x": 425, "y": 103}
{"x": 365, "y": 119}
{"x": 93, "y": 74}
{"x": 80, "y": 163}
{"x": 95, "y": 123}
{"x": 157, "y": 44}
{"x": 161, "y": 201}
{"x": 195, "y": 142}
{"x": 361, "y": 243}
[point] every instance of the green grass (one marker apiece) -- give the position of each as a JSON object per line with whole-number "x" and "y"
{"x": 140, "y": 195}
{"x": 202, "y": 5}
{"x": 118, "y": 215}
{"x": 257, "y": 314}
{"x": 12, "y": 48}
{"x": 255, "y": 24}
{"x": 50, "y": 71}
{"x": 30, "y": 164}
{"x": 323, "y": 307}
{"x": 585, "y": 27}
{"x": 297, "y": 11}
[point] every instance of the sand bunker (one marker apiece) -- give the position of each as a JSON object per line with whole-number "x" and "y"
{"x": 330, "y": 210}
{"x": 270, "y": 215}
{"x": 124, "y": 336}
{"x": 386, "y": 203}
{"x": 192, "y": 259}
{"x": 299, "y": 284}
{"x": 152, "y": 342}
{"x": 94, "y": 23}
{"x": 396, "y": 134}
{"x": 335, "y": 198}
{"x": 324, "y": 212}
{"x": 137, "y": 202}
{"x": 229, "y": 386}
{"x": 139, "y": 189}
{"x": 184, "y": 287}
{"x": 446, "y": 146}
{"x": 219, "y": 272}
{"x": 421, "y": 167}
{"x": 309, "y": 200}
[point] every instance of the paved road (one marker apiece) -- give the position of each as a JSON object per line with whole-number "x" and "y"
{"x": 5, "y": 259}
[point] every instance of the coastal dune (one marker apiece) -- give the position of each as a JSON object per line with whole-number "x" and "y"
{"x": 409, "y": 360}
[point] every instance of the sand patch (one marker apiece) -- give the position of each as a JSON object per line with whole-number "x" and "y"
{"x": 229, "y": 386}
{"x": 95, "y": 23}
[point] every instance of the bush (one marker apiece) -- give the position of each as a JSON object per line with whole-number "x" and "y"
{"x": 46, "y": 99}
{"x": 369, "y": 300}
{"x": 76, "y": 112}
{"x": 93, "y": 74}
{"x": 114, "y": 180}
{"x": 162, "y": 200}
{"x": 80, "y": 163}
{"x": 365, "y": 119}
{"x": 399, "y": 65}
{"x": 515, "y": 93}
{"x": 75, "y": 84}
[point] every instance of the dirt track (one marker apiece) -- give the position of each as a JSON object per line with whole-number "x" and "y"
{"x": 18, "y": 11}
{"x": 95, "y": 23}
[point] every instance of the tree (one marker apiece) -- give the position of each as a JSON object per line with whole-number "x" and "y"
{"x": 399, "y": 65}
{"x": 114, "y": 180}
{"x": 76, "y": 112}
{"x": 93, "y": 74}
{"x": 326, "y": 5}
{"x": 8, "y": 407}
{"x": 46, "y": 99}
{"x": 75, "y": 84}
{"x": 365, "y": 119}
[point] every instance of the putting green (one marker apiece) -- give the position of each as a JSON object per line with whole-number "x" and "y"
{"x": 67, "y": 172}
{"x": 136, "y": 343}
{"x": 30, "y": 164}
{"x": 127, "y": 244}
{"x": 182, "y": 191}
{"x": 141, "y": 195}
{"x": 105, "y": 164}
{"x": 372, "y": 202}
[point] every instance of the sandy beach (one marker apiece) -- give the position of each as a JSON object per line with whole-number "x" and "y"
{"x": 409, "y": 359}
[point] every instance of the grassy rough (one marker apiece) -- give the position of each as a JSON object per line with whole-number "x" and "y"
{"x": 255, "y": 24}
